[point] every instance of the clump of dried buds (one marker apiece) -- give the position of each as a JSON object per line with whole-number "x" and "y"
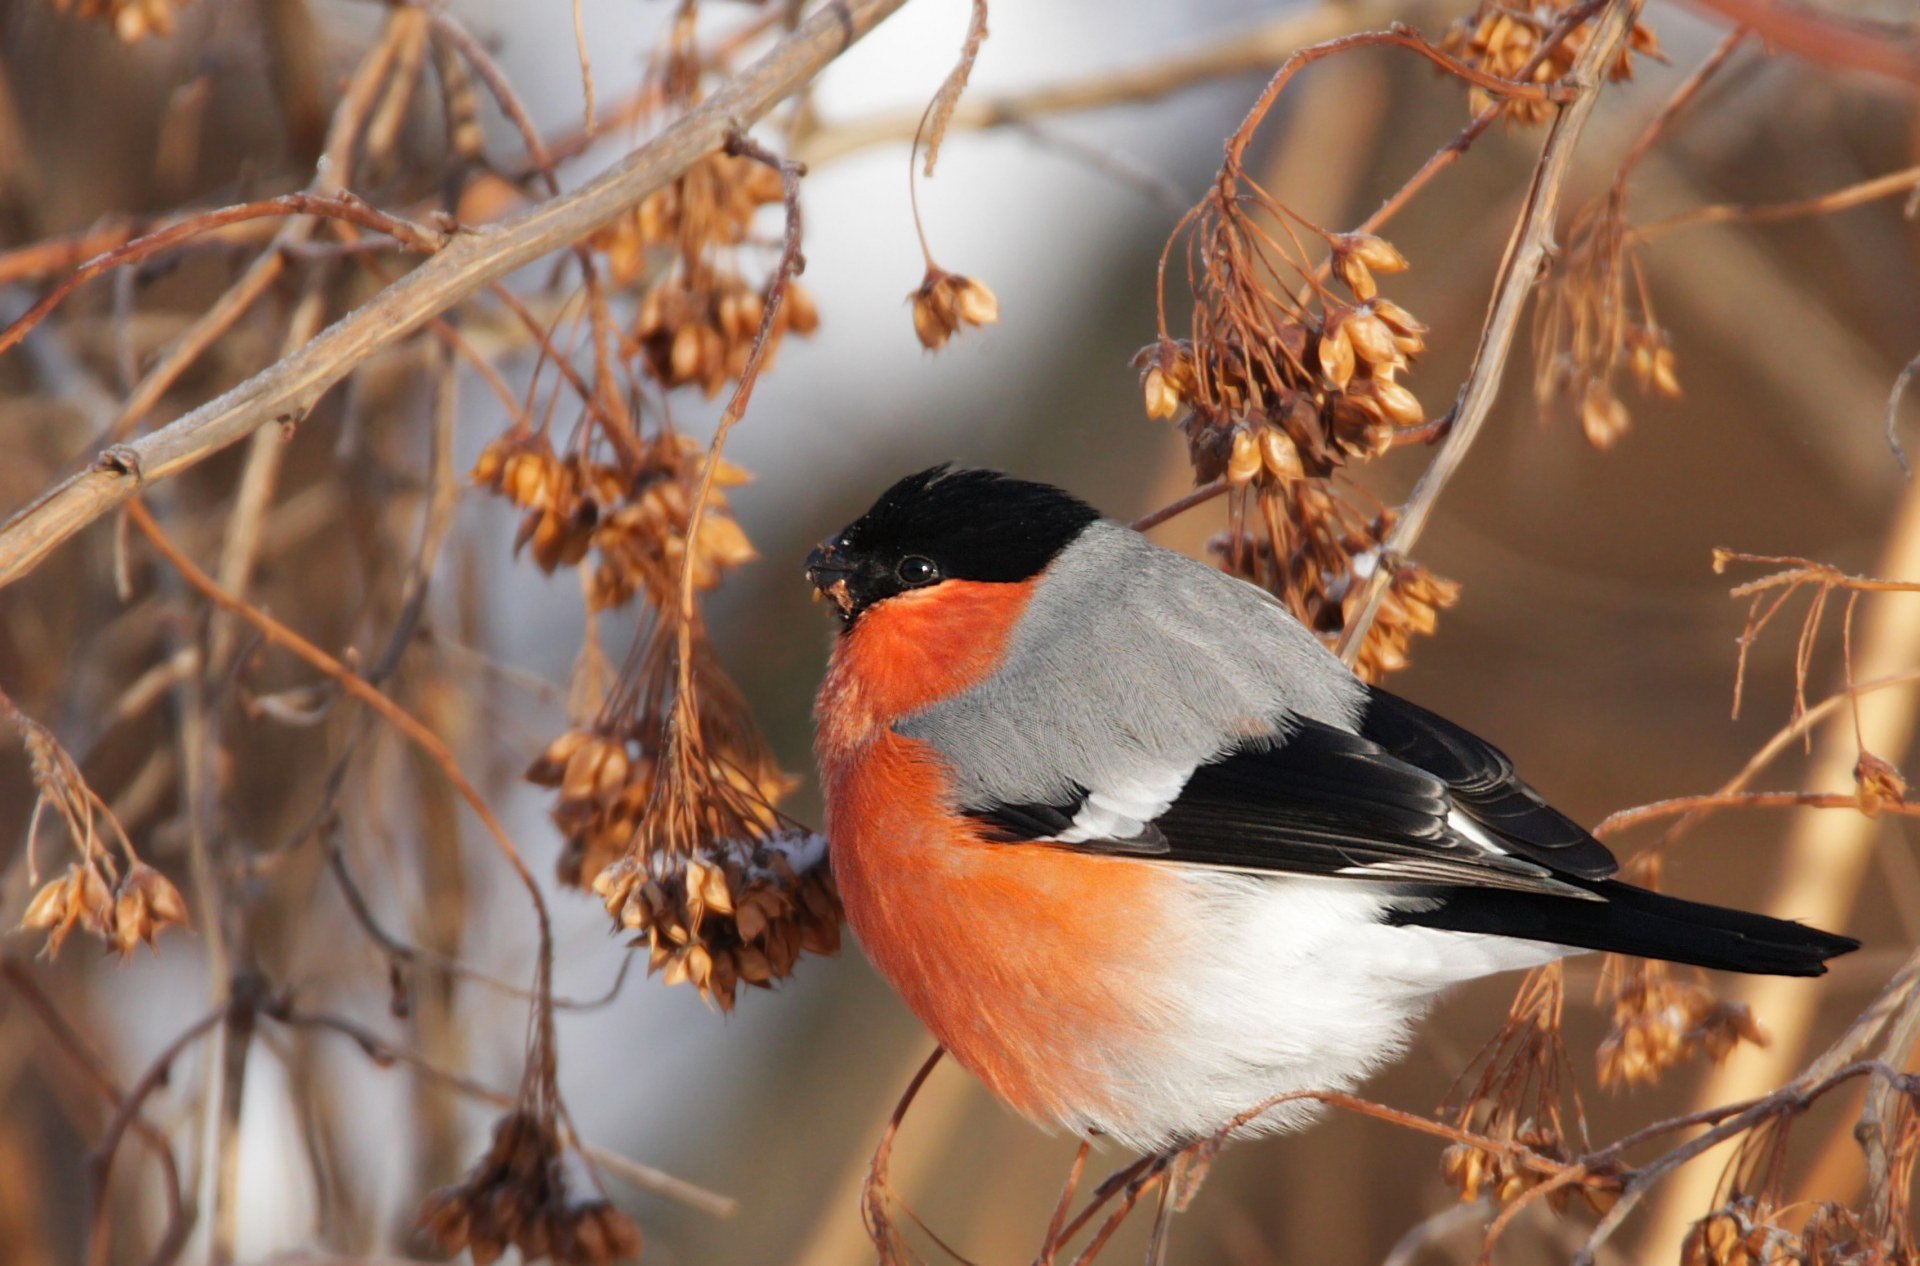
{"x": 1504, "y": 39}
{"x": 1279, "y": 392}
{"x": 517, "y": 1197}
{"x": 698, "y": 318}
{"x": 635, "y": 513}
{"x": 700, "y": 331}
{"x": 1659, "y": 1022}
{"x": 667, "y": 804}
{"x": 137, "y": 908}
{"x": 740, "y": 915}
{"x": 713, "y": 204}
{"x": 1516, "y": 1101}
{"x": 1739, "y": 1233}
{"x": 92, "y": 895}
{"x": 947, "y": 303}
{"x": 1596, "y": 321}
{"x": 131, "y": 19}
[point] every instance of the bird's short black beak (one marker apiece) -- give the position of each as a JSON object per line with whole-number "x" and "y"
{"x": 829, "y": 576}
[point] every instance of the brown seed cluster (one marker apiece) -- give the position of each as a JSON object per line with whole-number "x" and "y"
{"x": 740, "y": 916}
{"x": 1595, "y": 324}
{"x": 1477, "y": 1171}
{"x": 947, "y": 303}
{"x": 699, "y": 316}
{"x": 1502, "y": 39}
{"x": 93, "y": 895}
{"x": 635, "y": 513}
{"x": 1516, "y": 1101}
{"x": 1280, "y": 392}
{"x": 131, "y": 19}
{"x": 124, "y": 914}
{"x": 607, "y": 784}
{"x": 1659, "y": 1022}
{"x": 1277, "y": 391}
{"x": 1740, "y": 1233}
{"x": 667, "y": 805}
{"x": 517, "y": 1197}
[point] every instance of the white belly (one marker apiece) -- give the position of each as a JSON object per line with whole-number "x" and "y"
{"x": 1284, "y": 983}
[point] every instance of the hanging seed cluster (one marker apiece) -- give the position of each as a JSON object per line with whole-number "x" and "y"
{"x": 1516, "y": 1100}
{"x": 1291, "y": 376}
{"x": 740, "y": 916}
{"x": 122, "y": 912}
{"x": 698, "y": 315}
{"x": 1595, "y": 325}
{"x": 95, "y": 895}
{"x": 130, "y": 19}
{"x": 663, "y": 791}
{"x": 947, "y": 303}
{"x": 633, "y": 514}
{"x": 1659, "y": 1022}
{"x": 517, "y": 1197}
{"x": 1504, "y": 39}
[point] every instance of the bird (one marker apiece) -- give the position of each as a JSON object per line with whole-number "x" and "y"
{"x": 1143, "y": 854}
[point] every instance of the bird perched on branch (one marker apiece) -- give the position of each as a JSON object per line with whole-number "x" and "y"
{"x": 1143, "y": 854}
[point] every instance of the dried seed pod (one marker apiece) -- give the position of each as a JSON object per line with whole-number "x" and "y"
{"x": 1877, "y": 784}
{"x": 1377, "y": 253}
{"x": 1162, "y": 400}
{"x": 1336, "y": 354}
{"x": 1280, "y": 455}
{"x": 1373, "y": 340}
{"x": 945, "y": 303}
{"x": 1245, "y": 461}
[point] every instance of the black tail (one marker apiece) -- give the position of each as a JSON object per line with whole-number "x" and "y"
{"x": 1629, "y": 920}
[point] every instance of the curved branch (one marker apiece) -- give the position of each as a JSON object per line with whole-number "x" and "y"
{"x": 286, "y": 390}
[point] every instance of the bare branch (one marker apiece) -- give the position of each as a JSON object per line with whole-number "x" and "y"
{"x": 287, "y": 389}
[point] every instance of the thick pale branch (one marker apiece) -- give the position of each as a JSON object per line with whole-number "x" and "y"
{"x": 284, "y": 391}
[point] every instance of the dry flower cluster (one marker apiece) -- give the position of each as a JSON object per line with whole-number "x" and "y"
{"x": 1518, "y": 1102}
{"x": 1291, "y": 376}
{"x": 1597, "y": 322}
{"x": 93, "y": 894}
{"x": 666, "y": 796}
{"x": 635, "y": 519}
{"x": 1512, "y": 40}
{"x": 1282, "y": 385}
{"x": 517, "y": 1197}
{"x": 1755, "y": 1225}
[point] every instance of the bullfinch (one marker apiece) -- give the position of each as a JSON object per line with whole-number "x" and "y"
{"x": 1143, "y": 854}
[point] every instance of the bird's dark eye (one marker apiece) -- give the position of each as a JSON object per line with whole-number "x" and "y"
{"x": 915, "y": 571}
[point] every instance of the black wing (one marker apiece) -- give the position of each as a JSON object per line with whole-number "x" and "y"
{"x": 1483, "y": 785}
{"x": 1316, "y": 800}
{"x": 1387, "y": 804}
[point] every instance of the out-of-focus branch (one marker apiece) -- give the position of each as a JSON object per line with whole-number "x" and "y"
{"x": 1895, "y": 182}
{"x": 286, "y": 390}
{"x": 1519, "y": 271}
{"x": 1247, "y": 52}
{"x": 1824, "y": 865}
{"x": 645, "y": 1177}
{"x": 1879, "y": 48}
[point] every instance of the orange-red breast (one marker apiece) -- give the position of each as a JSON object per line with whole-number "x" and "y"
{"x": 1142, "y": 854}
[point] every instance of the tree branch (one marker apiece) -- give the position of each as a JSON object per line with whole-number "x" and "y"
{"x": 286, "y": 390}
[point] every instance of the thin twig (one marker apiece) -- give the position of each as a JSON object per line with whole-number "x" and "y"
{"x": 1519, "y": 272}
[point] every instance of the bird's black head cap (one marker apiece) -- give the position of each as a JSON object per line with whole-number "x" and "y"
{"x": 946, "y": 524}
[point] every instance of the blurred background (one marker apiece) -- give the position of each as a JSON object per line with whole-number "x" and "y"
{"x": 1592, "y": 640}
